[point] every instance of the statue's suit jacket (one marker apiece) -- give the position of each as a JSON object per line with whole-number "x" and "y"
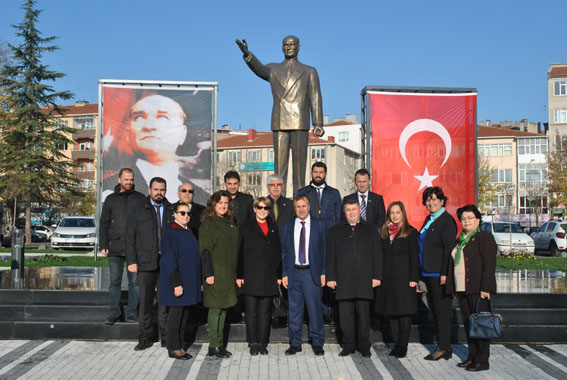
{"x": 295, "y": 95}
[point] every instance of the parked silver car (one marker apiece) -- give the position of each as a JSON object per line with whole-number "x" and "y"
{"x": 501, "y": 232}
{"x": 551, "y": 237}
{"x": 75, "y": 232}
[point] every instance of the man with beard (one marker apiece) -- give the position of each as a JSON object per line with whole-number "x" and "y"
{"x": 112, "y": 240}
{"x": 146, "y": 224}
{"x": 325, "y": 200}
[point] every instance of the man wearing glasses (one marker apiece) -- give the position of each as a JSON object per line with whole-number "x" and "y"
{"x": 282, "y": 207}
{"x": 185, "y": 194}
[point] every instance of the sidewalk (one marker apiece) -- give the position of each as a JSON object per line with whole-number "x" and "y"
{"x": 50, "y": 360}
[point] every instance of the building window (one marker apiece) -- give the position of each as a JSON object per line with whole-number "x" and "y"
{"x": 318, "y": 154}
{"x": 254, "y": 156}
{"x": 62, "y": 146}
{"x": 254, "y": 180}
{"x": 532, "y": 203}
{"x": 59, "y": 124}
{"x": 494, "y": 150}
{"x": 271, "y": 155}
{"x": 86, "y": 146}
{"x": 532, "y": 145}
{"x": 560, "y": 88}
{"x": 343, "y": 136}
{"x": 233, "y": 158}
{"x": 560, "y": 142}
{"x": 561, "y": 115}
{"x": 83, "y": 122}
{"x": 533, "y": 176}
{"x": 501, "y": 176}
{"x": 87, "y": 184}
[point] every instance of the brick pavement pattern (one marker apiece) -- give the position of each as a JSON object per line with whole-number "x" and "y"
{"x": 71, "y": 359}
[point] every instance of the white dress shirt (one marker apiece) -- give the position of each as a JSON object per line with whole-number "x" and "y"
{"x": 365, "y": 197}
{"x": 296, "y": 233}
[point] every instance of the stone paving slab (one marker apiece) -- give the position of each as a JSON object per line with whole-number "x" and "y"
{"x": 71, "y": 359}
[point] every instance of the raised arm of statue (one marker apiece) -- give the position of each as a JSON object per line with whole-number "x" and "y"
{"x": 243, "y": 46}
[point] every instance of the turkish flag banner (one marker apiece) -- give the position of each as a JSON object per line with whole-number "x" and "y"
{"x": 421, "y": 140}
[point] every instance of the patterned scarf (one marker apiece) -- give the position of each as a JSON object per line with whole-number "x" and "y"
{"x": 393, "y": 230}
{"x": 463, "y": 240}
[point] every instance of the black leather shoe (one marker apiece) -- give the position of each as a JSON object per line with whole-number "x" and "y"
{"x": 180, "y": 357}
{"x": 263, "y": 350}
{"x": 142, "y": 345}
{"x": 318, "y": 350}
{"x": 465, "y": 364}
{"x": 225, "y": 351}
{"x": 292, "y": 350}
{"x": 401, "y": 353}
{"x": 477, "y": 367}
{"x": 111, "y": 320}
{"x": 132, "y": 318}
{"x": 365, "y": 354}
{"x": 438, "y": 354}
{"x": 393, "y": 352}
{"x": 254, "y": 349}
{"x": 217, "y": 353}
{"x": 163, "y": 343}
{"x": 344, "y": 352}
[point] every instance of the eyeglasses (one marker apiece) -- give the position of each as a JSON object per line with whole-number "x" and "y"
{"x": 267, "y": 208}
{"x": 182, "y": 213}
{"x": 275, "y": 185}
{"x": 186, "y": 191}
{"x": 470, "y": 218}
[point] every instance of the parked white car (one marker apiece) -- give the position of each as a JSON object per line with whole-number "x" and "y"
{"x": 501, "y": 231}
{"x": 551, "y": 237}
{"x": 75, "y": 232}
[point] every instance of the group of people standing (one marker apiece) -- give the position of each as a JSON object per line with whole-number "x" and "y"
{"x": 370, "y": 260}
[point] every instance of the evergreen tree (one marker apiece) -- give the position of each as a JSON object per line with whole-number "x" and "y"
{"x": 32, "y": 167}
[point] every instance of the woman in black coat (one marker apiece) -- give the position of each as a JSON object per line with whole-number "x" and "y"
{"x": 180, "y": 278}
{"x": 397, "y": 295}
{"x": 472, "y": 277}
{"x": 436, "y": 241}
{"x": 258, "y": 273}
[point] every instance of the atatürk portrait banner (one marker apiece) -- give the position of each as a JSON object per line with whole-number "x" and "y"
{"x": 157, "y": 130}
{"x": 421, "y": 140}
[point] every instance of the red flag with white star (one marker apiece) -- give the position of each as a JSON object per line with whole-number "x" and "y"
{"x": 421, "y": 140}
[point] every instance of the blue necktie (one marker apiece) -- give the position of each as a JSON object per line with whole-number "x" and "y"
{"x": 319, "y": 195}
{"x": 158, "y": 207}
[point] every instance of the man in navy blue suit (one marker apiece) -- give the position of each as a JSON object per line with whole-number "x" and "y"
{"x": 303, "y": 242}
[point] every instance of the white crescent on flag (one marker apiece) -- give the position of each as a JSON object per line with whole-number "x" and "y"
{"x": 425, "y": 125}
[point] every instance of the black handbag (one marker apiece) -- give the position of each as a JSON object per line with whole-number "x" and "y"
{"x": 485, "y": 324}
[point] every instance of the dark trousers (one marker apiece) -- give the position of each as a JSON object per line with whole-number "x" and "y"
{"x": 176, "y": 321}
{"x": 479, "y": 349}
{"x": 147, "y": 282}
{"x": 297, "y": 140}
{"x": 354, "y": 317}
{"x": 116, "y": 267}
{"x": 303, "y": 292}
{"x": 401, "y": 329}
{"x": 440, "y": 304}
{"x": 258, "y": 315}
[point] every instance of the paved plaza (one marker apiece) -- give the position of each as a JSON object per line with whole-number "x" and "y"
{"x": 71, "y": 359}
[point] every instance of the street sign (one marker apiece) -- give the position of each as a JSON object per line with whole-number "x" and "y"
{"x": 255, "y": 166}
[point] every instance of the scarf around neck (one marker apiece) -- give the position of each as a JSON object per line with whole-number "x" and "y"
{"x": 463, "y": 240}
{"x": 393, "y": 230}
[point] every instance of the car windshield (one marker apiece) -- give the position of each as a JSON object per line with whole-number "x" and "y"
{"x": 77, "y": 222}
{"x": 505, "y": 227}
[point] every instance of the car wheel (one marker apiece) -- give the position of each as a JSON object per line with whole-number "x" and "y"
{"x": 553, "y": 250}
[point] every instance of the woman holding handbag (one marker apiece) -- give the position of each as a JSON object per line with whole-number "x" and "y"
{"x": 472, "y": 277}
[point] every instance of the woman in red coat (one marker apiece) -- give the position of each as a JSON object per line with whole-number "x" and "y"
{"x": 472, "y": 277}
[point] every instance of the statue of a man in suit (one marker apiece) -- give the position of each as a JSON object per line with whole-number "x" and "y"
{"x": 296, "y": 92}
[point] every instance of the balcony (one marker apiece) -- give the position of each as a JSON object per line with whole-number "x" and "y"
{"x": 84, "y": 175}
{"x": 82, "y": 155}
{"x": 83, "y": 134}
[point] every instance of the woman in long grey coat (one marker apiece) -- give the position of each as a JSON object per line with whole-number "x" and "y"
{"x": 397, "y": 296}
{"x": 218, "y": 243}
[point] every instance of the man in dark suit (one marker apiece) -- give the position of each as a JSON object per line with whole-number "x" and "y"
{"x": 296, "y": 92}
{"x": 303, "y": 274}
{"x": 146, "y": 225}
{"x": 371, "y": 204}
{"x": 282, "y": 207}
{"x": 241, "y": 203}
{"x": 185, "y": 194}
{"x": 354, "y": 267}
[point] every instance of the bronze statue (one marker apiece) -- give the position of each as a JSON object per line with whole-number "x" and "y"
{"x": 296, "y": 92}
